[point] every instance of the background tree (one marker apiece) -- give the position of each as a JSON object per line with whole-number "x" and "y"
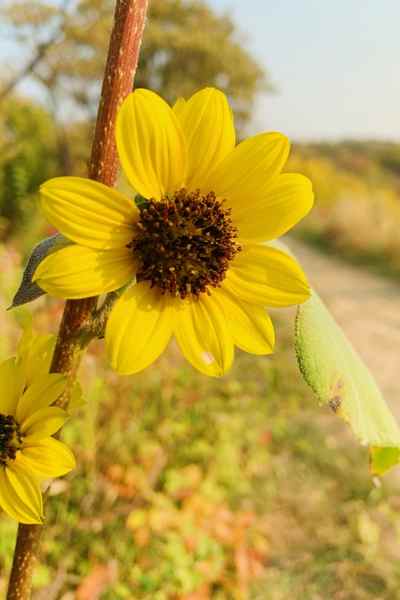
{"x": 186, "y": 46}
{"x": 28, "y": 155}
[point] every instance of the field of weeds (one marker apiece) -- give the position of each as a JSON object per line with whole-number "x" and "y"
{"x": 239, "y": 488}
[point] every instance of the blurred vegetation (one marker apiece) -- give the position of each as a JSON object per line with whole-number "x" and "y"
{"x": 28, "y": 156}
{"x": 357, "y": 211}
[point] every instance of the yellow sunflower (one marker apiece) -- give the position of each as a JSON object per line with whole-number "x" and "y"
{"x": 28, "y": 453}
{"x": 189, "y": 237}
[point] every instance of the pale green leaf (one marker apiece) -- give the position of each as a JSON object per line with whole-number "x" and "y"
{"x": 339, "y": 378}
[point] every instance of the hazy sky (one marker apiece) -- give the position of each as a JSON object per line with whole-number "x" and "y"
{"x": 335, "y": 64}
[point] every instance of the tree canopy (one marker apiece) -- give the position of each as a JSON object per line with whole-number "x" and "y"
{"x": 186, "y": 46}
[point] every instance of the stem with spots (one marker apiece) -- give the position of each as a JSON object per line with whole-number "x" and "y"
{"x": 123, "y": 54}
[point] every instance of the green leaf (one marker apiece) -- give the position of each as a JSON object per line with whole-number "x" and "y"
{"x": 339, "y": 378}
{"x": 140, "y": 201}
{"x": 383, "y": 459}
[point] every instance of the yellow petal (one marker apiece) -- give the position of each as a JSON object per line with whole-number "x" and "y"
{"x": 79, "y": 272}
{"x": 8, "y": 384}
{"x": 40, "y": 394}
{"x": 88, "y": 212}
{"x": 43, "y": 423}
{"x": 150, "y": 145}
{"x": 244, "y": 174}
{"x": 13, "y": 505}
{"x": 288, "y": 199}
{"x": 27, "y": 488}
{"x": 250, "y": 326}
{"x": 207, "y": 123}
{"x": 139, "y": 328}
{"x": 46, "y": 458}
{"x": 267, "y": 276}
{"x": 202, "y": 333}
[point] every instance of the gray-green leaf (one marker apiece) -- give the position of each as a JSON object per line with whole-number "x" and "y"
{"x": 28, "y": 290}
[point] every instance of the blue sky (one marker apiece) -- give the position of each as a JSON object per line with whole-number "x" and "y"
{"x": 335, "y": 64}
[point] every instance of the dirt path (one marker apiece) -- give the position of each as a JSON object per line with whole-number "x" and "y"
{"x": 367, "y": 306}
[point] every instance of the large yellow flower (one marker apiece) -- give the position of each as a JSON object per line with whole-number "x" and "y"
{"x": 28, "y": 453}
{"x": 191, "y": 244}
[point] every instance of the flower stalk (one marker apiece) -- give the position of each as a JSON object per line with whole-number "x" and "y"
{"x": 72, "y": 339}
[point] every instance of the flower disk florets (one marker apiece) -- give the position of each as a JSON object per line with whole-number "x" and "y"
{"x": 184, "y": 243}
{"x": 10, "y": 438}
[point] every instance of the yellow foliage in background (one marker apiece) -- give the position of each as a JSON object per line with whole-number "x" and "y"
{"x": 357, "y": 200}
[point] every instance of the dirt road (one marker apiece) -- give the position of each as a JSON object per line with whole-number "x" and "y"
{"x": 367, "y": 307}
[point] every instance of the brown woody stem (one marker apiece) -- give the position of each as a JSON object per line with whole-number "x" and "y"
{"x": 123, "y": 54}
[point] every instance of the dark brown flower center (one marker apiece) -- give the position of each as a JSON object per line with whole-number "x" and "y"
{"x": 10, "y": 438}
{"x": 184, "y": 243}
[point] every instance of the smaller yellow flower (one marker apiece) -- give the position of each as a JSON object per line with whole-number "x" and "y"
{"x": 28, "y": 453}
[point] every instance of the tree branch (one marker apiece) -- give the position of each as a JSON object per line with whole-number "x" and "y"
{"x": 121, "y": 66}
